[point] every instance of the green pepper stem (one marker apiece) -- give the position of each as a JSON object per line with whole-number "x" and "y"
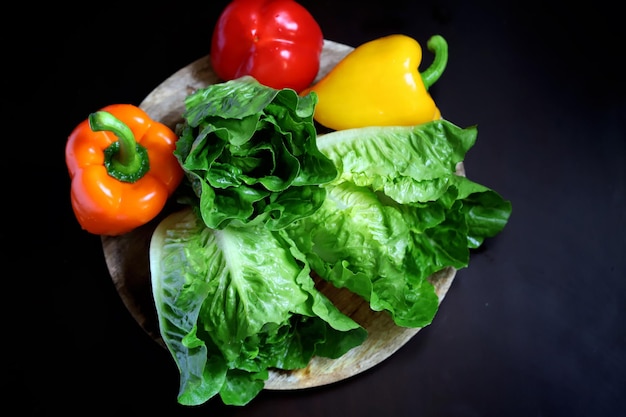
{"x": 125, "y": 159}
{"x": 438, "y": 46}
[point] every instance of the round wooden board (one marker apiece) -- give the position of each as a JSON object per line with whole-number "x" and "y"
{"x": 127, "y": 256}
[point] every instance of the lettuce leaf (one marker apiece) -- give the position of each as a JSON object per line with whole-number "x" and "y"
{"x": 233, "y": 303}
{"x": 397, "y": 213}
{"x": 250, "y": 154}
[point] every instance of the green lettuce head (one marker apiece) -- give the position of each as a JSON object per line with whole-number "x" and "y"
{"x": 250, "y": 154}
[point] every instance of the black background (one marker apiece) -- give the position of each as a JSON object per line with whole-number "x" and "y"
{"x": 535, "y": 326}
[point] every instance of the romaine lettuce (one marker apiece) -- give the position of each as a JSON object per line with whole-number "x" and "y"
{"x": 233, "y": 303}
{"x": 397, "y": 213}
{"x": 250, "y": 154}
{"x": 374, "y": 210}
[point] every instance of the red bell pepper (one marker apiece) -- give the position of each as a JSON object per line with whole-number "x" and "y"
{"x": 278, "y": 42}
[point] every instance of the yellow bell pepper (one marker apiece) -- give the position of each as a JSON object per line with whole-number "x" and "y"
{"x": 378, "y": 84}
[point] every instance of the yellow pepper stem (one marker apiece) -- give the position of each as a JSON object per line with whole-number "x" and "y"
{"x": 439, "y": 47}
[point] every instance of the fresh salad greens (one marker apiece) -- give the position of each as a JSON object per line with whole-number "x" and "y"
{"x": 373, "y": 210}
{"x": 236, "y": 301}
{"x": 397, "y": 213}
{"x": 250, "y": 153}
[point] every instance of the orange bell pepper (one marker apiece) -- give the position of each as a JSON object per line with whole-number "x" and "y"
{"x": 122, "y": 169}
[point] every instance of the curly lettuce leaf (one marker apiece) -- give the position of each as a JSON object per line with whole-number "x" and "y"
{"x": 408, "y": 164}
{"x": 250, "y": 154}
{"x": 233, "y": 303}
{"x": 397, "y": 213}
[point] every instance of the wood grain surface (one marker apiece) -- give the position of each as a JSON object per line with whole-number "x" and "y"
{"x": 127, "y": 256}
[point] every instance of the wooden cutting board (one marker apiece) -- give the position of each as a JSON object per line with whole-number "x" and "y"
{"x": 128, "y": 260}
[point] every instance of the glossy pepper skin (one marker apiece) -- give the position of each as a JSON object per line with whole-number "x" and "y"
{"x": 278, "y": 42}
{"x": 378, "y": 84}
{"x": 122, "y": 169}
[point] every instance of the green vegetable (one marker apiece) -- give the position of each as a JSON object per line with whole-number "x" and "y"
{"x": 234, "y": 302}
{"x": 396, "y": 214}
{"x": 250, "y": 153}
{"x": 374, "y": 210}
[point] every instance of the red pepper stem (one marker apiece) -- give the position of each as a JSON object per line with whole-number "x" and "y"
{"x": 125, "y": 159}
{"x": 438, "y": 46}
